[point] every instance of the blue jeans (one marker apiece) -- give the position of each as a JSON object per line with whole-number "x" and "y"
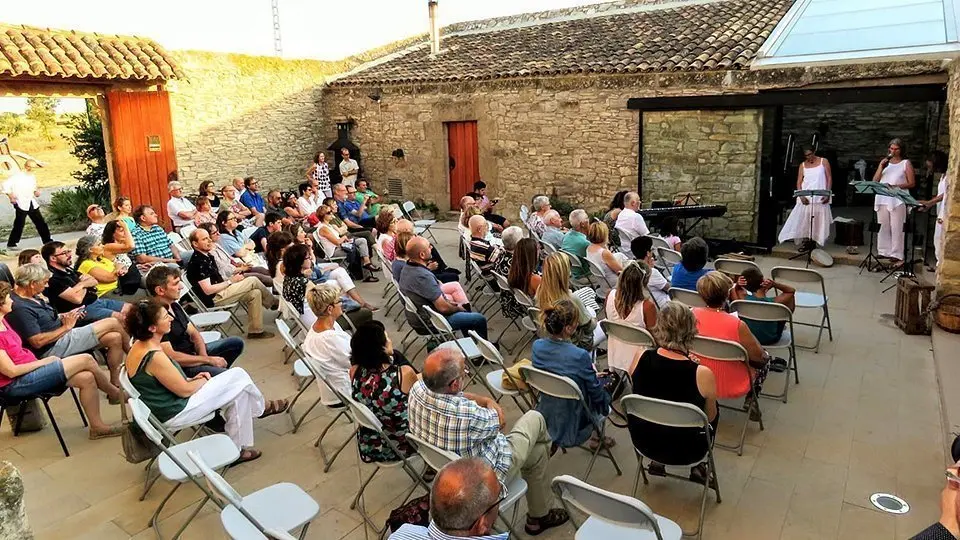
{"x": 229, "y": 348}
{"x": 46, "y": 378}
{"x": 101, "y": 309}
{"x": 468, "y": 320}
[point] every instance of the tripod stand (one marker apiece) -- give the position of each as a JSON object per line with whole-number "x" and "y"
{"x": 809, "y": 251}
{"x": 872, "y": 263}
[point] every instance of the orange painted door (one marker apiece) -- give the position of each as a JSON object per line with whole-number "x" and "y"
{"x": 464, "y": 159}
{"x": 141, "y": 135}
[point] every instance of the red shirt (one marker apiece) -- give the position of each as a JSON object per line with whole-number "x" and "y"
{"x": 12, "y": 345}
{"x": 733, "y": 379}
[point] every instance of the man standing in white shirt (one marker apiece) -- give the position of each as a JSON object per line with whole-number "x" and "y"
{"x": 179, "y": 208}
{"x": 630, "y": 224}
{"x": 348, "y": 168}
{"x": 22, "y": 190}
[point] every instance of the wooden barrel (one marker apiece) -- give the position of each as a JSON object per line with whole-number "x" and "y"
{"x": 947, "y": 313}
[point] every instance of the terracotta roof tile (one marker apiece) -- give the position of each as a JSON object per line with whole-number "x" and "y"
{"x": 724, "y": 34}
{"x": 37, "y": 52}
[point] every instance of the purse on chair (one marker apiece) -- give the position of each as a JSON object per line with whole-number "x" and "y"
{"x": 137, "y": 448}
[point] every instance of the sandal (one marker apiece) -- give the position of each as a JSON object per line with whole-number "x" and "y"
{"x": 554, "y": 518}
{"x": 371, "y": 279}
{"x": 112, "y": 431}
{"x": 607, "y": 443}
{"x": 247, "y": 454}
{"x": 657, "y": 469}
{"x": 275, "y": 406}
{"x": 371, "y": 267}
{"x": 698, "y": 474}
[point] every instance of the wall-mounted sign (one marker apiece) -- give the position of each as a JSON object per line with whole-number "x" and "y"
{"x": 153, "y": 143}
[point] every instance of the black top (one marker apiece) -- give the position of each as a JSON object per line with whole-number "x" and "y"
{"x": 257, "y": 236}
{"x": 177, "y": 336}
{"x": 30, "y": 318}
{"x": 935, "y": 532}
{"x": 62, "y": 280}
{"x": 672, "y": 380}
{"x": 201, "y": 267}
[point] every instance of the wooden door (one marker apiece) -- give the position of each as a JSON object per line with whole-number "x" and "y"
{"x": 464, "y": 159}
{"x": 141, "y": 135}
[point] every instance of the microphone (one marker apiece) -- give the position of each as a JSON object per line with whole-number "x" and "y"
{"x": 889, "y": 157}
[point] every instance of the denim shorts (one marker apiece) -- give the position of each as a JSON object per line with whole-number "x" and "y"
{"x": 101, "y": 309}
{"x": 43, "y": 379}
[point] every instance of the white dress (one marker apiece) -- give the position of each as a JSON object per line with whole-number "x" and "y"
{"x": 798, "y": 224}
{"x": 619, "y": 354}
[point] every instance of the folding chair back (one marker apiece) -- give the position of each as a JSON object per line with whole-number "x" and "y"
{"x": 186, "y": 231}
{"x": 796, "y": 275}
{"x": 734, "y": 267}
{"x": 501, "y": 281}
{"x": 141, "y": 415}
{"x": 522, "y": 298}
{"x": 221, "y": 487}
{"x": 598, "y": 272}
{"x": 667, "y": 256}
{"x": 605, "y": 505}
{"x": 803, "y": 276}
{"x": 126, "y": 385}
{"x": 762, "y": 311}
{"x": 175, "y": 238}
{"x": 664, "y": 412}
{"x": 550, "y": 384}
{"x": 547, "y": 247}
{"x": 408, "y": 207}
{"x": 439, "y": 322}
{"x": 524, "y": 213}
{"x": 687, "y": 297}
{"x": 434, "y": 456}
{"x": 287, "y": 336}
{"x": 628, "y": 333}
{"x": 411, "y": 308}
{"x": 728, "y": 361}
{"x": 659, "y": 243}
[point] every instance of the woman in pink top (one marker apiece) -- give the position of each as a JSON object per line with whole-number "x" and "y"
{"x": 714, "y": 322}
{"x": 23, "y": 376}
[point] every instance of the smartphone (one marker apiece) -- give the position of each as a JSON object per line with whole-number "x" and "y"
{"x": 953, "y": 479}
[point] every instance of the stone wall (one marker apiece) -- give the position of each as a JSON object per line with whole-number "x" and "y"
{"x": 948, "y": 271}
{"x": 714, "y": 154}
{"x": 13, "y": 516}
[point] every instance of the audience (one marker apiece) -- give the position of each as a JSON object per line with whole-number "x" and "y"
{"x": 231, "y": 239}
{"x": 629, "y": 223}
{"x": 272, "y": 222}
{"x": 381, "y": 379}
{"x": 668, "y": 228}
{"x": 204, "y": 213}
{"x": 467, "y": 203}
{"x": 68, "y": 289}
{"x": 690, "y": 269}
{"x": 659, "y": 287}
{"x": 349, "y": 169}
{"x": 554, "y": 287}
{"x": 91, "y": 261}
{"x": 482, "y": 251}
{"x": 29, "y": 256}
{"x": 309, "y": 201}
{"x": 353, "y": 213}
{"x": 117, "y": 243}
{"x": 230, "y": 203}
{"x": 230, "y": 267}
{"x": 609, "y": 263}
{"x": 98, "y": 220}
{"x": 553, "y": 229}
{"x": 251, "y": 197}
{"x": 436, "y": 265}
{"x": 523, "y": 271}
{"x": 239, "y": 184}
{"x": 123, "y": 210}
{"x": 387, "y": 229}
{"x": 751, "y": 285}
{"x": 23, "y": 375}
{"x": 336, "y": 244}
{"x": 214, "y": 290}
{"x": 366, "y": 196}
{"x": 487, "y": 205}
{"x": 576, "y": 241}
{"x": 326, "y": 344}
{"x": 670, "y": 374}
{"x": 569, "y": 423}
{"x": 511, "y": 236}
{"x": 296, "y": 284}
{"x": 208, "y": 190}
{"x": 179, "y": 401}
{"x": 150, "y": 243}
{"x": 536, "y": 224}
{"x": 345, "y": 229}
{"x": 613, "y": 212}
{"x": 179, "y": 208}
{"x": 49, "y": 333}
{"x": 277, "y": 244}
{"x": 627, "y": 304}
{"x": 444, "y": 415}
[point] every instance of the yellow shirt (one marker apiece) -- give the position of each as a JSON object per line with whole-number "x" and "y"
{"x": 104, "y": 264}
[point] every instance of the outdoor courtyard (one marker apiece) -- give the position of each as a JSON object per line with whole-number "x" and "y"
{"x": 865, "y": 418}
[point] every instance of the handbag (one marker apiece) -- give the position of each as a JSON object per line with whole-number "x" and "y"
{"x": 137, "y": 447}
{"x": 507, "y": 381}
{"x": 32, "y": 419}
{"x": 415, "y": 512}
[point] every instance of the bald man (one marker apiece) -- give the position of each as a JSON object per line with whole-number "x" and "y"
{"x": 630, "y": 224}
{"x": 553, "y": 232}
{"x": 463, "y": 504}
{"x": 422, "y": 287}
{"x": 441, "y": 413}
{"x": 482, "y": 251}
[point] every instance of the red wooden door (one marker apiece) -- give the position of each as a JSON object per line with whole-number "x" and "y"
{"x": 464, "y": 159}
{"x": 143, "y": 155}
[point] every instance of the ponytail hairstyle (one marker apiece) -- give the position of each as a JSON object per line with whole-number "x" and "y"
{"x": 557, "y": 318}
{"x": 146, "y": 313}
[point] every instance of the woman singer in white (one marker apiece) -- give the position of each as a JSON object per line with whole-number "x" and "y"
{"x": 810, "y": 212}
{"x": 896, "y": 171}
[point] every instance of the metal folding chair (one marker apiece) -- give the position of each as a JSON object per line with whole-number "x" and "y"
{"x": 734, "y": 267}
{"x": 409, "y": 208}
{"x": 495, "y": 377}
{"x": 446, "y": 334}
{"x": 773, "y": 313}
{"x": 807, "y": 299}
{"x": 628, "y": 334}
{"x": 687, "y": 297}
{"x": 668, "y": 258}
{"x": 305, "y": 367}
{"x": 44, "y": 398}
{"x": 611, "y": 516}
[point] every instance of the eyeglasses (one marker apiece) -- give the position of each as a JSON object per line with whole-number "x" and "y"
{"x": 500, "y": 499}
{"x": 62, "y": 253}
{"x": 231, "y": 218}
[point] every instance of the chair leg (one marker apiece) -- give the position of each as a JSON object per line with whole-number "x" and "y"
{"x": 154, "y": 519}
{"x": 298, "y": 422}
{"x": 56, "y": 428}
{"x": 796, "y": 369}
{"x": 826, "y": 314}
{"x": 76, "y": 401}
{"x": 19, "y": 422}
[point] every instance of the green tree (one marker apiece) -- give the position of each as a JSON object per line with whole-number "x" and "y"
{"x": 43, "y": 112}
{"x": 86, "y": 138}
{"x": 12, "y": 125}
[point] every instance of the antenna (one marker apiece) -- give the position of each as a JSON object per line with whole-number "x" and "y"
{"x": 277, "y": 45}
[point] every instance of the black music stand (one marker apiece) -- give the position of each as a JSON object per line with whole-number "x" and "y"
{"x": 810, "y": 193}
{"x": 872, "y": 263}
{"x": 876, "y": 188}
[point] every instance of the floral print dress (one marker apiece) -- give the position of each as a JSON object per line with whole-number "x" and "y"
{"x": 380, "y": 392}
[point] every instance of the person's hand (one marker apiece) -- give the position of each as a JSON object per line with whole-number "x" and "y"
{"x": 120, "y": 270}
{"x": 202, "y": 376}
{"x": 950, "y": 506}
{"x": 36, "y": 193}
{"x": 767, "y": 284}
{"x": 741, "y": 282}
{"x": 217, "y": 361}
{"x": 804, "y": 200}
{"x": 432, "y": 265}
{"x": 500, "y": 416}
{"x": 88, "y": 281}
{"x": 883, "y": 162}
{"x": 236, "y": 278}
{"x": 71, "y": 317}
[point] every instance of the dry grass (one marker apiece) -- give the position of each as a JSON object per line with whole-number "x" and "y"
{"x": 55, "y": 154}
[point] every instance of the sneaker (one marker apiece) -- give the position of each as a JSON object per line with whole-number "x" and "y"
{"x": 778, "y": 365}
{"x": 261, "y": 335}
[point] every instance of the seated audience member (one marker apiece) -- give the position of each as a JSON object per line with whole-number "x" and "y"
{"x": 204, "y": 213}
{"x": 296, "y": 284}
{"x": 381, "y": 379}
{"x": 553, "y": 232}
{"x": 753, "y": 286}
{"x": 208, "y": 190}
{"x": 231, "y": 240}
{"x": 150, "y": 243}
{"x": 668, "y": 231}
{"x": 523, "y": 271}
{"x": 29, "y": 256}
{"x": 277, "y": 244}
{"x": 670, "y": 374}
{"x": 337, "y": 244}
{"x": 92, "y": 262}
{"x": 400, "y": 253}
{"x": 117, "y": 244}
{"x": 487, "y": 206}
{"x": 567, "y": 421}
{"x": 214, "y": 290}
{"x": 272, "y": 223}
{"x": 183, "y": 343}
{"x": 482, "y": 251}
{"x": 344, "y": 228}
{"x": 23, "y": 375}
{"x": 387, "y": 229}
{"x": 714, "y": 322}
{"x": 123, "y": 210}
{"x": 353, "y": 213}
{"x": 436, "y": 265}
{"x": 510, "y": 237}
{"x": 308, "y": 201}
{"x": 281, "y": 204}
{"x": 229, "y": 202}
{"x": 554, "y": 287}
{"x": 610, "y": 263}
{"x": 443, "y": 414}
{"x": 69, "y": 289}
{"x": 49, "y": 333}
{"x": 535, "y": 223}
{"x": 613, "y": 212}
{"x": 179, "y": 401}
{"x": 464, "y": 503}
{"x": 98, "y": 220}
{"x": 327, "y": 345}
{"x": 366, "y": 196}
{"x": 692, "y": 264}
{"x": 251, "y": 197}
{"x": 466, "y": 204}
{"x": 230, "y": 267}
{"x": 576, "y": 241}
{"x": 423, "y": 289}
{"x": 179, "y": 208}
{"x": 642, "y": 248}
{"x": 628, "y": 304}
{"x": 239, "y": 185}
{"x": 630, "y": 224}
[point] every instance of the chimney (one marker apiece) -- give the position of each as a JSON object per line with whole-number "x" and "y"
{"x": 434, "y": 28}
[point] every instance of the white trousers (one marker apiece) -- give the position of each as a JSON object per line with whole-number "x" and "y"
{"x": 938, "y": 241}
{"x": 234, "y": 394}
{"x": 890, "y": 237}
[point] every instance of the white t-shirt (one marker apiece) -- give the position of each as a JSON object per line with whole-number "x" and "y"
{"x": 176, "y": 205}
{"x": 22, "y": 185}
{"x": 941, "y": 190}
{"x": 329, "y": 352}
{"x": 630, "y": 225}
{"x": 308, "y": 206}
{"x": 659, "y": 287}
{"x": 347, "y": 166}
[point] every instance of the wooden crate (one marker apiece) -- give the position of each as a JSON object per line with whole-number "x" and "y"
{"x": 913, "y": 299}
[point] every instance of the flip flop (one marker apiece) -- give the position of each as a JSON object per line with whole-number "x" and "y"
{"x": 113, "y": 431}
{"x": 608, "y": 443}
{"x": 554, "y": 518}
{"x": 247, "y": 454}
{"x": 275, "y": 406}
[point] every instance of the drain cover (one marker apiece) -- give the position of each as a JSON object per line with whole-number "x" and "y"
{"x": 890, "y": 503}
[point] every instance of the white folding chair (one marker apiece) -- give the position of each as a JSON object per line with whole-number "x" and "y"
{"x": 178, "y": 241}
{"x": 186, "y": 230}
{"x": 682, "y": 417}
{"x": 247, "y": 232}
{"x": 546, "y": 248}
{"x": 505, "y": 291}
{"x": 409, "y": 208}
{"x": 628, "y": 334}
{"x": 560, "y": 387}
{"x": 599, "y": 274}
{"x": 484, "y": 286}
{"x": 422, "y": 330}
{"x": 293, "y": 348}
{"x": 524, "y": 214}
{"x": 281, "y": 507}
{"x": 725, "y": 359}
{"x": 306, "y": 367}
{"x": 668, "y": 258}
{"x": 205, "y": 319}
{"x": 217, "y": 450}
{"x": 686, "y": 297}
{"x": 658, "y": 242}
{"x": 446, "y": 334}
{"x": 734, "y": 267}
{"x": 495, "y": 377}
{"x": 808, "y": 299}
{"x": 231, "y": 308}
{"x": 611, "y": 516}
{"x": 773, "y": 313}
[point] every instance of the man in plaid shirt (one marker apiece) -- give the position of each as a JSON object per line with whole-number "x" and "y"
{"x": 150, "y": 242}
{"x": 442, "y": 414}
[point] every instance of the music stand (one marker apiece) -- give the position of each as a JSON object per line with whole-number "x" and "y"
{"x": 876, "y": 188}
{"x": 810, "y": 193}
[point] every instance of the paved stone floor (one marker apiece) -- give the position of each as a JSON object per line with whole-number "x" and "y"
{"x": 866, "y": 417}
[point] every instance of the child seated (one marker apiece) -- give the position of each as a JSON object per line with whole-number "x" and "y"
{"x": 751, "y": 285}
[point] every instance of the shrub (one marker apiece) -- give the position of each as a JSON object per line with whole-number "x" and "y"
{"x": 561, "y": 206}
{"x": 69, "y": 206}
{"x": 88, "y": 147}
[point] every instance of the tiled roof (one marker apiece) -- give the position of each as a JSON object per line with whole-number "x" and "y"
{"x": 43, "y": 53}
{"x": 679, "y": 36}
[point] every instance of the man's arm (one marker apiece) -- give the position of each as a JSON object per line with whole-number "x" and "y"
{"x": 445, "y": 308}
{"x": 76, "y": 294}
{"x": 213, "y": 288}
{"x": 42, "y": 339}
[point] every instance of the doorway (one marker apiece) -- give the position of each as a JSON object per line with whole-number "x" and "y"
{"x": 464, "y": 159}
